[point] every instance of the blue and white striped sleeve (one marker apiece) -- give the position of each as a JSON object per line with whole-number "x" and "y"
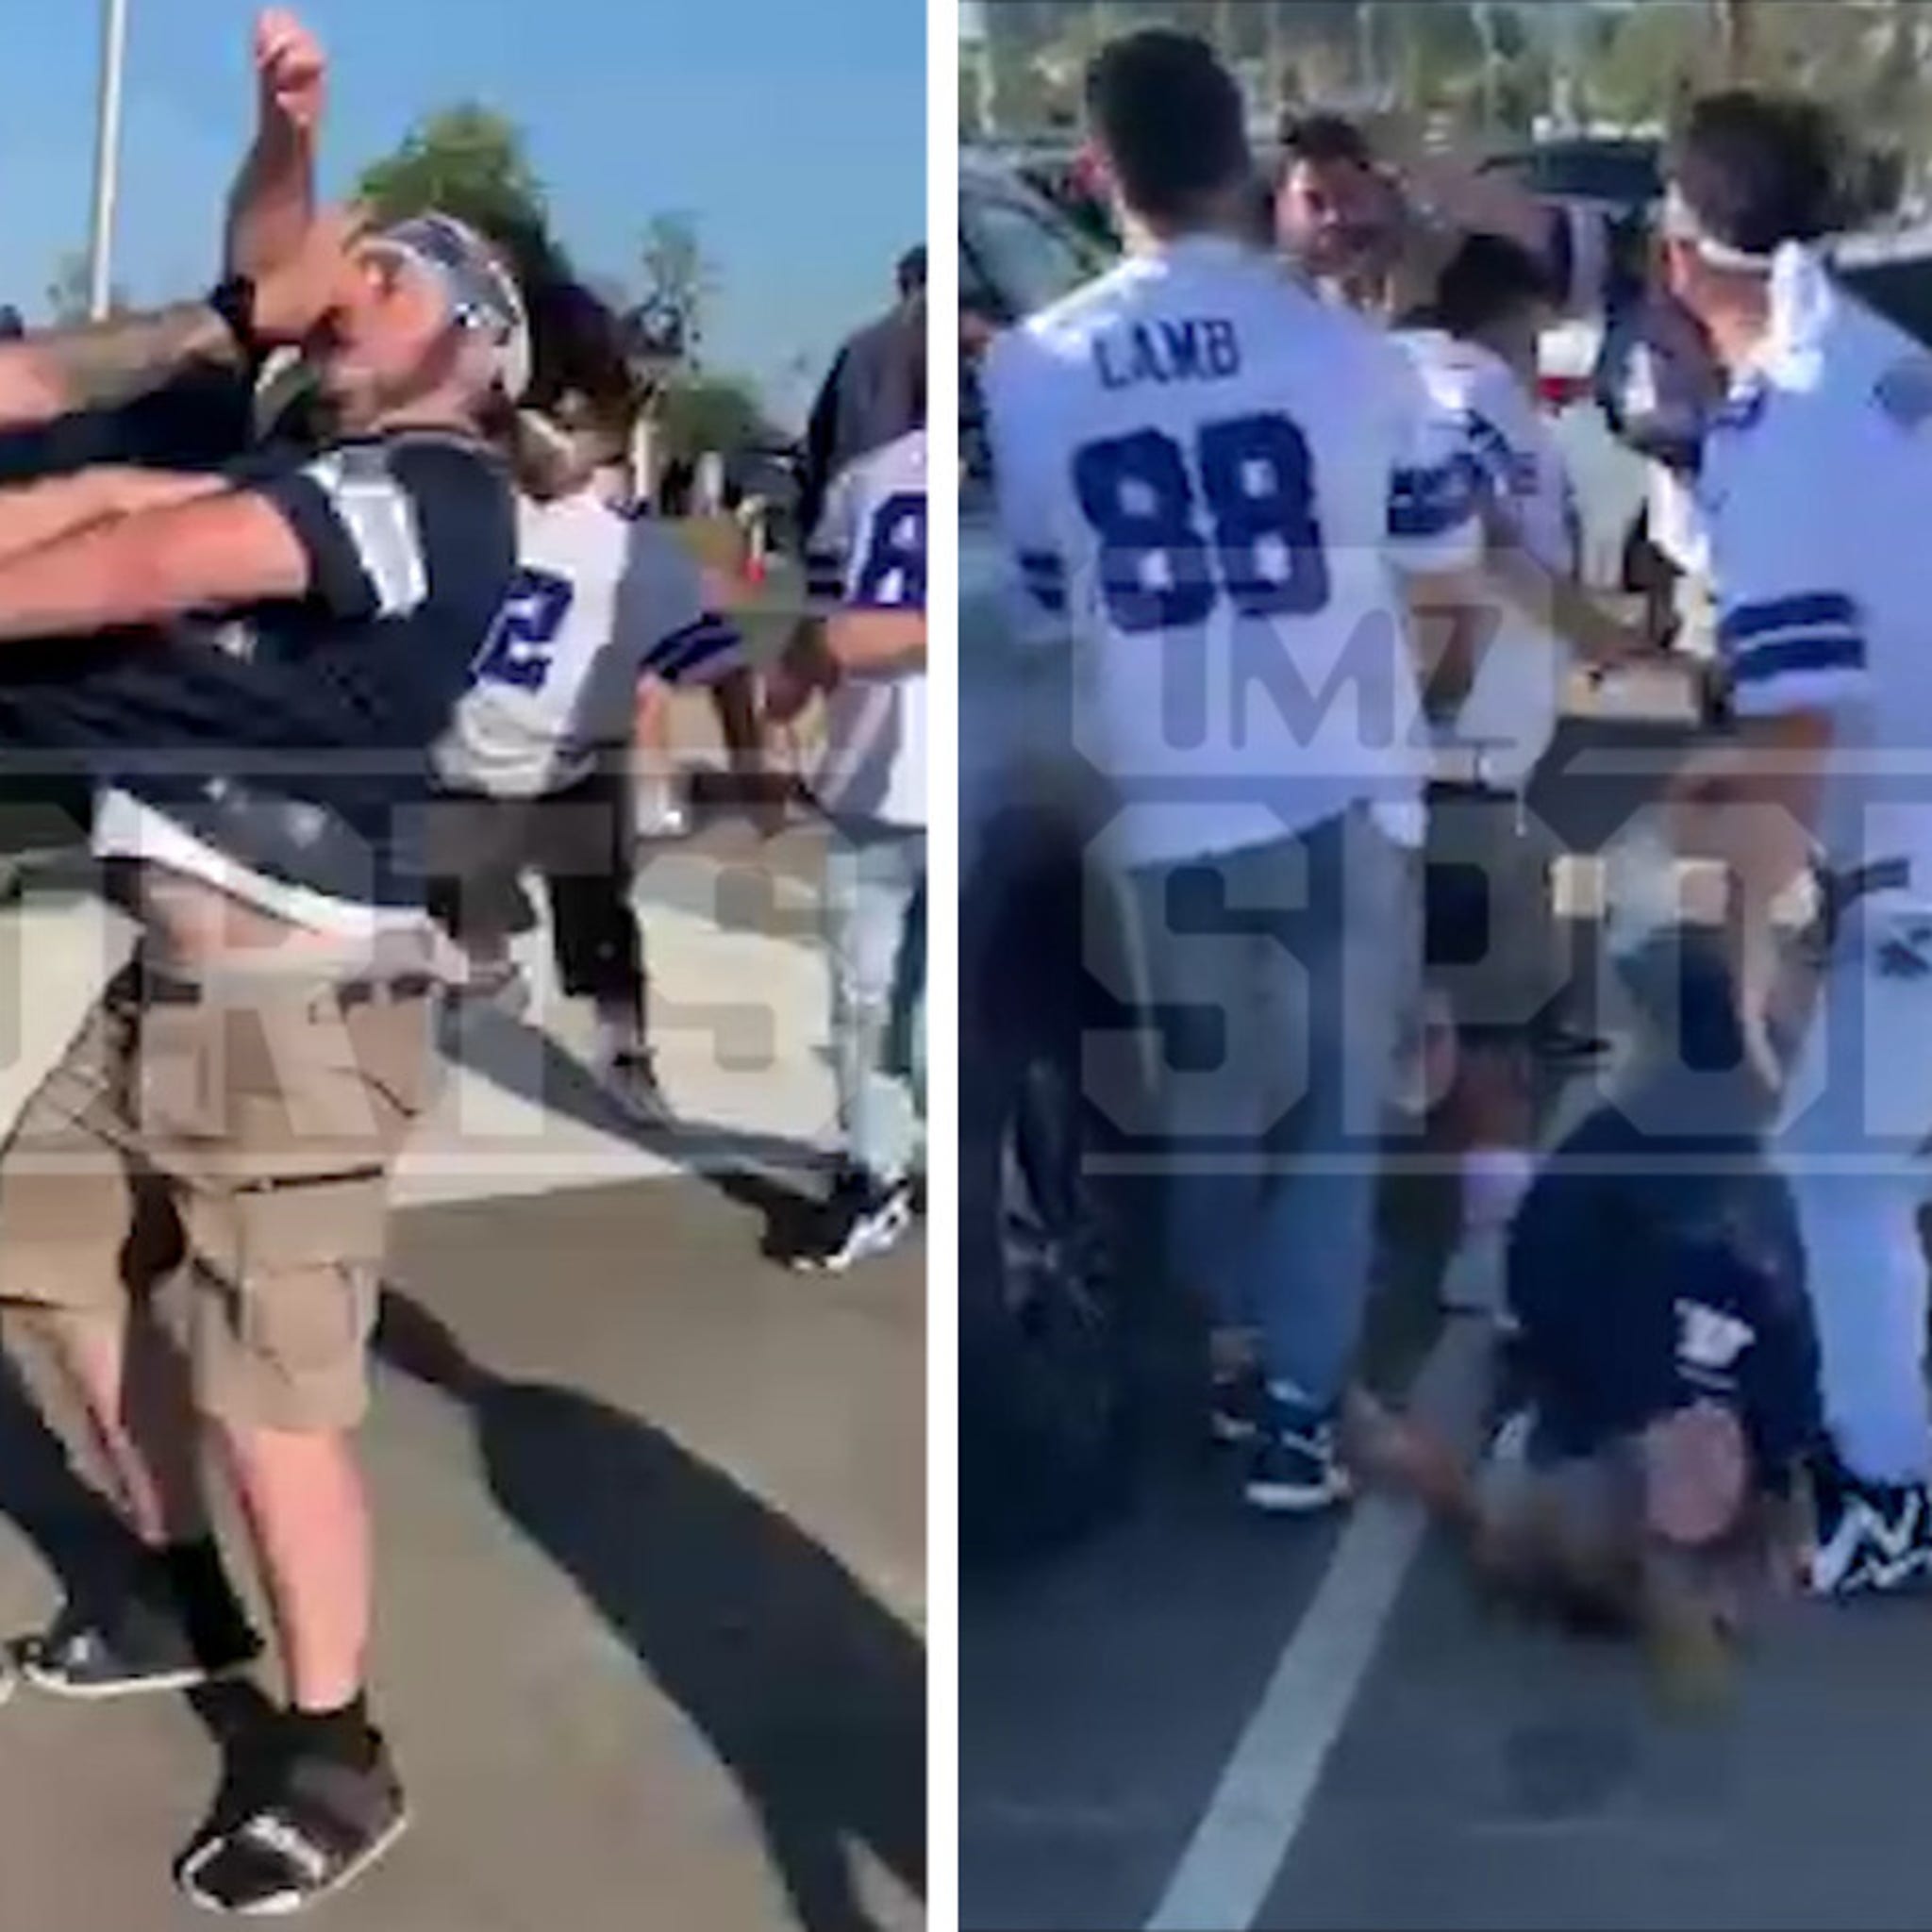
{"x": 663, "y": 618}
{"x": 1435, "y": 493}
{"x": 704, "y": 652}
{"x": 1800, "y": 652}
{"x": 829, "y": 549}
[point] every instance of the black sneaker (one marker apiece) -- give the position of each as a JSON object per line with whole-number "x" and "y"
{"x": 1294, "y": 1470}
{"x": 861, "y": 1217}
{"x": 1238, "y": 1405}
{"x": 139, "y": 1645}
{"x": 1871, "y": 1538}
{"x": 319, "y": 1826}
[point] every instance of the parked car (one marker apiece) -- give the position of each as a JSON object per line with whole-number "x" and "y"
{"x": 1062, "y": 1319}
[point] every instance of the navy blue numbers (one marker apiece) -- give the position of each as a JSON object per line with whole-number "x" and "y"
{"x": 1261, "y": 546}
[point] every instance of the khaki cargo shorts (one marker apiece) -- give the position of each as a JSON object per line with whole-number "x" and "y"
{"x": 222, "y": 1150}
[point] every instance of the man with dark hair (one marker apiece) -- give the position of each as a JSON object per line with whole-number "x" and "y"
{"x": 1812, "y": 494}
{"x": 1168, "y": 116}
{"x": 1337, "y": 215}
{"x": 1211, "y": 481}
{"x": 863, "y": 403}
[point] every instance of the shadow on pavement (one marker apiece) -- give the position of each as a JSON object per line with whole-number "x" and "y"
{"x": 808, "y": 1690}
{"x": 752, "y": 1170}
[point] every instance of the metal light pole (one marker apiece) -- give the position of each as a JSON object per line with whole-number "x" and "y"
{"x": 1735, "y": 24}
{"x": 100, "y": 267}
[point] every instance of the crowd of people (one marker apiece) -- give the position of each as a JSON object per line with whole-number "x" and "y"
{"x": 332, "y": 588}
{"x": 1279, "y": 488}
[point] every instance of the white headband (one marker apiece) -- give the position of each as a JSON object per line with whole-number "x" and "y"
{"x": 1683, "y": 223}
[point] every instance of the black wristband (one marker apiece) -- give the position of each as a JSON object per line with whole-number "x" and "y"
{"x": 233, "y": 300}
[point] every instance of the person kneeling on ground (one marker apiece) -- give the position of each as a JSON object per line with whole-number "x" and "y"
{"x": 192, "y": 1206}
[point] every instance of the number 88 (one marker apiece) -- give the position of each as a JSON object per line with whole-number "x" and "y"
{"x": 1257, "y": 480}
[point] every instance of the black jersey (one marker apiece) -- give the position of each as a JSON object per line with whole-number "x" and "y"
{"x": 296, "y": 736}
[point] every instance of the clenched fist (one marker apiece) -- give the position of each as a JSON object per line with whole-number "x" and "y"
{"x": 291, "y": 75}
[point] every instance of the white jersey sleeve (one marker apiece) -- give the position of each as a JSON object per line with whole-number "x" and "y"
{"x": 1792, "y": 631}
{"x": 1023, "y": 492}
{"x": 1435, "y": 521}
{"x": 828, "y": 551}
{"x": 664, "y": 625}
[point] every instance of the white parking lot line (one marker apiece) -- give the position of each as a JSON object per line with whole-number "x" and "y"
{"x": 1244, "y": 1839}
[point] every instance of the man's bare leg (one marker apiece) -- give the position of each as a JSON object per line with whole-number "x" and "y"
{"x": 308, "y": 1511}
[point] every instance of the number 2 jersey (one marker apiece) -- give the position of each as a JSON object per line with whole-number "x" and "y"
{"x": 1210, "y": 480}
{"x": 869, "y": 554}
{"x": 600, "y": 599}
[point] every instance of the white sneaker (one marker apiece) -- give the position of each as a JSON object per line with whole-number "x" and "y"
{"x": 660, "y": 813}
{"x": 629, "y": 1076}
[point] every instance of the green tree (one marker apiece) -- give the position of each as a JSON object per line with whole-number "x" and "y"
{"x": 467, "y": 161}
{"x": 1651, "y": 61}
{"x": 697, "y": 413}
{"x": 679, "y": 276}
{"x": 70, "y": 291}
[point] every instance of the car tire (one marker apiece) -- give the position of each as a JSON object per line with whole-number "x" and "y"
{"x": 1050, "y": 1298}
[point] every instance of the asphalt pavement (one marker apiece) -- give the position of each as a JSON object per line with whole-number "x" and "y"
{"x": 1201, "y": 1719}
{"x": 650, "y": 1644}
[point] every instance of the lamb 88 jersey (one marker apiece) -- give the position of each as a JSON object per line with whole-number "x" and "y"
{"x": 1813, "y": 497}
{"x": 869, "y": 553}
{"x": 601, "y": 598}
{"x": 1208, "y": 480}
{"x": 1517, "y": 693}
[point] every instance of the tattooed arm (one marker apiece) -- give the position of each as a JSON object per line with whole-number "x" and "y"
{"x": 101, "y": 365}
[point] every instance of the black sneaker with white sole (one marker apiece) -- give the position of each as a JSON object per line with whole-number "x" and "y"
{"x": 141, "y": 1644}
{"x": 1294, "y": 1470}
{"x": 861, "y": 1217}
{"x": 318, "y": 1826}
{"x": 1872, "y": 1537}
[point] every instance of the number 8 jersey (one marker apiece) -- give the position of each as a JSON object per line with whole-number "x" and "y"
{"x": 869, "y": 553}
{"x": 1209, "y": 480}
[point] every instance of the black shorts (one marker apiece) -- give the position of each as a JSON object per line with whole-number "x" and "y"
{"x": 481, "y": 846}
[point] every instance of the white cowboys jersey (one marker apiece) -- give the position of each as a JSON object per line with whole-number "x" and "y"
{"x": 1814, "y": 495}
{"x": 870, "y": 554}
{"x": 600, "y": 599}
{"x": 1510, "y": 713}
{"x": 1208, "y": 480}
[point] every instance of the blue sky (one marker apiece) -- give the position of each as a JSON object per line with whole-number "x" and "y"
{"x": 794, "y": 129}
